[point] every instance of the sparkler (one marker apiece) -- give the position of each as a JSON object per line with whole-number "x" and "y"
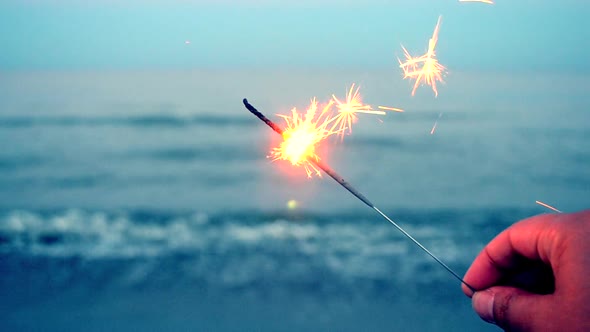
{"x": 305, "y": 130}
{"x": 548, "y": 206}
{"x": 324, "y": 167}
{"x": 424, "y": 69}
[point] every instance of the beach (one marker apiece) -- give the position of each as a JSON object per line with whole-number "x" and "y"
{"x": 144, "y": 200}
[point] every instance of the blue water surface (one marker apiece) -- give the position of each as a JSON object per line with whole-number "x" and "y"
{"x": 144, "y": 200}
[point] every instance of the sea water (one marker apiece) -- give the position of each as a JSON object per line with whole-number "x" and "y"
{"x": 144, "y": 200}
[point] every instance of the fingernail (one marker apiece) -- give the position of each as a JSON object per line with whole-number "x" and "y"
{"x": 483, "y": 304}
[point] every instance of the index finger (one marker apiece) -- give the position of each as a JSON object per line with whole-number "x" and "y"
{"x": 531, "y": 238}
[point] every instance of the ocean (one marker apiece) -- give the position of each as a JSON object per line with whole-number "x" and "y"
{"x": 144, "y": 200}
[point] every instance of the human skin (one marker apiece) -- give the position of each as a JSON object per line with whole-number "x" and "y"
{"x": 535, "y": 275}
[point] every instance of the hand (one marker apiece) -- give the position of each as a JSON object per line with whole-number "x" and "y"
{"x": 535, "y": 275}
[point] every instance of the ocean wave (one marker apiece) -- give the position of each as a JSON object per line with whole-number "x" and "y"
{"x": 88, "y": 181}
{"x": 378, "y": 142}
{"x": 241, "y": 250}
{"x": 19, "y": 162}
{"x": 154, "y": 120}
{"x": 224, "y": 153}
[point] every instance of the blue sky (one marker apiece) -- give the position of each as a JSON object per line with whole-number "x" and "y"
{"x": 510, "y": 35}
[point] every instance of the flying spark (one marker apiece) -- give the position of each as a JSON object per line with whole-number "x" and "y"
{"x": 433, "y": 128}
{"x": 548, "y": 206}
{"x": 482, "y": 1}
{"x": 348, "y": 109}
{"x": 435, "y": 124}
{"x": 424, "y": 69}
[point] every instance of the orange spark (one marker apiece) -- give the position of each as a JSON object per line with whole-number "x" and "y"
{"x": 301, "y": 135}
{"x": 548, "y": 206}
{"x": 433, "y": 128}
{"x": 424, "y": 69}
{"x": 347, "y": 110}
{"x": 482, "y": 1}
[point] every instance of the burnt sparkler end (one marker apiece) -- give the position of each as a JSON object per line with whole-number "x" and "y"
{"x": 261, "y": 116}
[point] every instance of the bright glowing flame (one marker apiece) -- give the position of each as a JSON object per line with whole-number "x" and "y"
{"x": 482, "y": 1}
{"x": 304, "y": 131}
{"x": 302, "y": 134}
{"x": 424, "y": 69}
{"x": 548, "y": 206}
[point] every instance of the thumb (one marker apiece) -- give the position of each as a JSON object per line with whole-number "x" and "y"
{"x": 511, "y": 308}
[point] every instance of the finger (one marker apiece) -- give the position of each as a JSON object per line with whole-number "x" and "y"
{"x": 513, "y": 309}
{"x": 531, "y": 238}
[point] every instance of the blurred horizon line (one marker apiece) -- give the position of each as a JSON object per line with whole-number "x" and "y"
{"x": 283, "y": 67}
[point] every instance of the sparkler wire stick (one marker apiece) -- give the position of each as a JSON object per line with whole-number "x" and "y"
{"x": 356, "y": 193}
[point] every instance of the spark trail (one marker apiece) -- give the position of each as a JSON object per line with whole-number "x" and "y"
{"x": 390, "y": 108}
{"x": 482, "y": 1}
{"x": 324, "y": 167}
{"x": 548, "y": 206}
{"x": 435, "y": 124}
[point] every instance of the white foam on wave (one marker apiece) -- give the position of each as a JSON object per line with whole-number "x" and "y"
{"x": 96, "y": 234}
{"x": 232, "y": 252}
{"x": 279, "y": 229}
